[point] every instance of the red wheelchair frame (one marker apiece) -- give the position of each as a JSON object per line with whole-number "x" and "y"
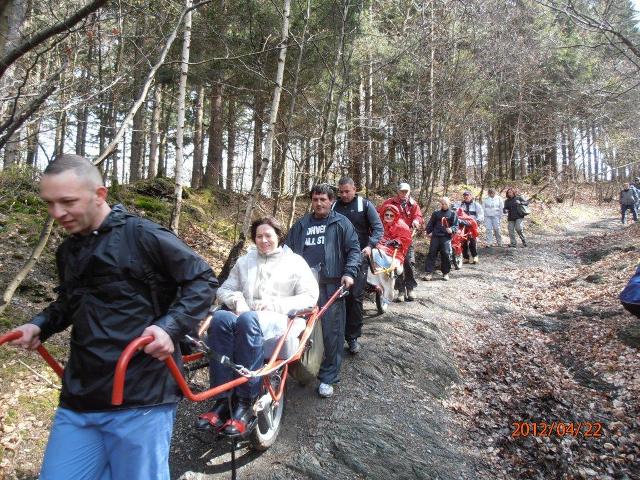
{"x": 273, "y": 368}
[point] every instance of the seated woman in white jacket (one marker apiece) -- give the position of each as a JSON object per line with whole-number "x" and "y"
{"x": 263, "y": 286}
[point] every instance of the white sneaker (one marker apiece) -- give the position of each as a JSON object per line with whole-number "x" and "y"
{"x": 399, "y": 297}
{"x": 445, "y": 277}
{"x": 427, "y": 277}
{"x": 475, "y": 261}
{"x": 410, "y": 297}
{"x": 325, "y": 390}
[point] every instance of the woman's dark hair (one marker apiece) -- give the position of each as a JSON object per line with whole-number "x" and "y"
{"x": 513, "y": 190}
{"x": 322, "y": 189}
{"x": 273, "y": 223}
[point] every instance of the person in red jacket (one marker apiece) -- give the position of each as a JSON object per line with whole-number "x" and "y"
{"x": 390, "y": 251}
{"x": 397, "y": 234}
{"x": 412, "y": 215}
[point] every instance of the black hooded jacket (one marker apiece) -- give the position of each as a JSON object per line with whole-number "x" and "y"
{"x": 105, "y": 294}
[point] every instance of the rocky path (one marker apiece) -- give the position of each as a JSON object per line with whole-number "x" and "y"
{"x": 391, "y": 417}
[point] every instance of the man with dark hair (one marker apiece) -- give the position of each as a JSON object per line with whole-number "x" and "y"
{"x": 121, "y": 277}
{"x": 365, "y": 219}
{"x": 329, "y": 244}
{"x": 412, "y": 215}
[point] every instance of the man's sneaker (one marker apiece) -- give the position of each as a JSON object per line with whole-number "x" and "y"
{"x": 410, "y": 296}
{"x": 524, "y": 243}
{"x": 325, "y": 390}
{"x": 445, "y": 277}
{"x": 354, "y": 346}
{"x": 427, "y": 277}
{"x": 475, "y": 260}
{"x": 466, "y": 260}
{"x": 399, "y": 297}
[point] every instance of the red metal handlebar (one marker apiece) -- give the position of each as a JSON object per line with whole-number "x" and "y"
{"x": 117, "y": 393}
{"x": 44, "y": 353}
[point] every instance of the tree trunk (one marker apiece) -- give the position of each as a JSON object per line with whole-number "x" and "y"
{"x": 198, "y": 141}
{"x": 213, "y": 175}
{"x": 154, "y": 134}
{"x": 182, "y": 93}
{"x": 258, "y": 122}
{"x": 33, "y": 132}
{"x": 231, "y": 142}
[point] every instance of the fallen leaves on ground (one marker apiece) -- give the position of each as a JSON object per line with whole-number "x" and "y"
{"x": 542, "y": 375}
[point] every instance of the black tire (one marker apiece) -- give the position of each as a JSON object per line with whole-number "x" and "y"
{"x": 268, "y": 427}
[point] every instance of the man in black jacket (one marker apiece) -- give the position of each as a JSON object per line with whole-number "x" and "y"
{"x": 440, "y": 228}
{"x": 365, "y": 219}
{"x": 121, "y": 277}
{"x": 329, "y": 244}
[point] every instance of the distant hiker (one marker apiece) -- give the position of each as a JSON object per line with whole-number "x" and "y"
{"x": 515, "y": 206}
{"x": 329, "y": 244}
{"x": 364, "y": 217}
{"x": 474, "y": 210}
{"x": 121, "y": 277}
{"x": 412, "y": 215}
{"x": 628, "y": 200}
{"x": 440, "y": 228}
{"x": 263, "y": 286}
{"x": 493, "y": 206}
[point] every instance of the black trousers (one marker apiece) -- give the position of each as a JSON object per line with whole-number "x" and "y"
{"x": 353, "y": 303}
{"x": 407, "y": 280}
{"x": 470, "y": 245}
{"x": 440, "y": 245}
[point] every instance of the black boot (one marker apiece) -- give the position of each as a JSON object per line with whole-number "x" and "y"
{"x": 242, "y": 419}
{"x": 216, "y": 417}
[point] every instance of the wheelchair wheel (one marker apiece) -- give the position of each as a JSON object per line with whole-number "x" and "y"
{"x": 381, "y": 304}
{"x": 269, "y": 421}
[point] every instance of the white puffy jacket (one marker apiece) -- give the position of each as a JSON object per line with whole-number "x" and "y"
{"x": 493, "y": 206}
{"x": 282, "y": 280}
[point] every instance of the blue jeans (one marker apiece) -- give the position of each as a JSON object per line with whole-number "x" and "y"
{"x": 239, "y": 338}
{"x": 130, "y": 444}
{"x": 623, "y": 210}
{"x": 333, "y": 326}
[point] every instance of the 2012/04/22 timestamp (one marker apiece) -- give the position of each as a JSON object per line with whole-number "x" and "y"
{"x": 558, "y": 429}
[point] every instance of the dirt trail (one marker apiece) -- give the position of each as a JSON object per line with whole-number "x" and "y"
{"x": 388, "y": 418}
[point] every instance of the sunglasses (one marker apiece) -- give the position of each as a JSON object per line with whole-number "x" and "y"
{"x": 389, "y": 215}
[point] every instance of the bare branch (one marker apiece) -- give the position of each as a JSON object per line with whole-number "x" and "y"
{"x": 43, "y": 35}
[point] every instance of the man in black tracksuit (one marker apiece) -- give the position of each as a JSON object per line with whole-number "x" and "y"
{"x": 365, "y": 219}
{"x": 441, "y": 238}
{"x": 329, "y": 244}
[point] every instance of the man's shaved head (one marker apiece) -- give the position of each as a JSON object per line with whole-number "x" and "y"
{"x": 75, "y": 194}
{"x": 82, "y": 167}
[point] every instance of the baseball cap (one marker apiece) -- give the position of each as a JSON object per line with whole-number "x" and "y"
{"x": 466, "y": 192}
{"x": 404, "y": 186}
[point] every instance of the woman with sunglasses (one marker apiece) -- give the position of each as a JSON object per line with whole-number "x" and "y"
{"x": 391, "y": 250}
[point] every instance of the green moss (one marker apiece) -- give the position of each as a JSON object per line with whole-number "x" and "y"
{"x": 149, "y": 204}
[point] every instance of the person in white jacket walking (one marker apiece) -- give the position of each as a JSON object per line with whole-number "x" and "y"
{"x": 493, "y": 206}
